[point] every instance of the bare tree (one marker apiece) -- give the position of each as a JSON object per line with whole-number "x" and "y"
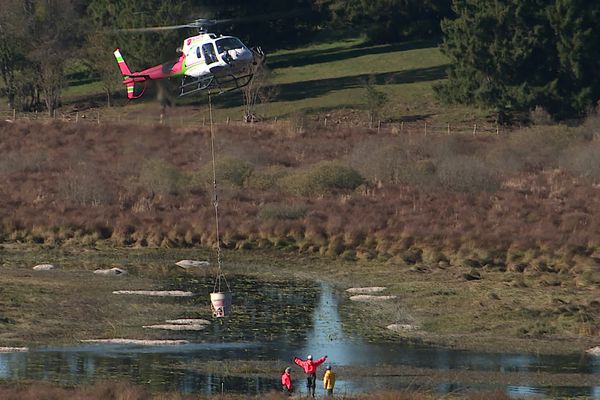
{"x": 54, "y": 29}
{"x": 375, "y": 100}
{"x": 11, "y": 35}
{"x": 259, "y": 89}
{"x": 99, "y": 56}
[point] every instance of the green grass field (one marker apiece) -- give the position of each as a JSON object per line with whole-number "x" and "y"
{"x": 326, "y": 77}
{"x": 323, "y": 78}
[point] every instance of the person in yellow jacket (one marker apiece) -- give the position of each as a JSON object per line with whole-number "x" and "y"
{"x": 329, "y": 381}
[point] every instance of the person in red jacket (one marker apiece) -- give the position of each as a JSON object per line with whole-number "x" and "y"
{"x": 286, "y": 381}
{"x": 310, "y": 369}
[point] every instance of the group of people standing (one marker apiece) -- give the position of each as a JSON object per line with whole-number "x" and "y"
{"x": 310, "y": 369}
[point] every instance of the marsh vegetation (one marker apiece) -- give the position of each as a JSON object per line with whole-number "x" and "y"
{"x": 499, "y": 231}
{"x": 121, "y": 390}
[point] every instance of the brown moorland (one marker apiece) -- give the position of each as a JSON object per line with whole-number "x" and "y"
{"x": 519, "y": 201}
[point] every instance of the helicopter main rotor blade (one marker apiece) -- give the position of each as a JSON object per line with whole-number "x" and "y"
{"x": 202, "y": 23}
{"x": 157, "y": 28}
{"x": 262, "y": 17}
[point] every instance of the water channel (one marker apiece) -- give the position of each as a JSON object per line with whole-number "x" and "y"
{"x": 277, "y": 321}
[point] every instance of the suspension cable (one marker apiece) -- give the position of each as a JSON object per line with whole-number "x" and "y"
{"x": 220, "y": 274}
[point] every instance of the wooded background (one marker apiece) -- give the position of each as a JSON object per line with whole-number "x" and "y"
{"x": 510, "y": 55}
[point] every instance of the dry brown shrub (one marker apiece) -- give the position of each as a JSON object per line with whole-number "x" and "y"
{"x": 394, "y": 395}
{"x": 391, "y": 161}
{"x": 17, "y": 161}
{"x": 379, "y": 159}
{"x": 298, "y": 124}
{"x": 466, "y": 174}
{"x": 160, "y": 177}
{"x": 282, "y": 211}
{"x": 266, "y": 178}
{"x": 591, "y": 126}
{"x": 583, "y": 160}
{"x": 84, "y": 185}
{"x": 485, "y": 395}
{"x": 322, "y": 178}
{"x": 98, "y": 391}
{"x": 116, "y": 391}
{"x": 503, "y": 159}
{"x": 539, "y": 209}
{"x": 540, "y": 117}
{"x": 539, "y": 147}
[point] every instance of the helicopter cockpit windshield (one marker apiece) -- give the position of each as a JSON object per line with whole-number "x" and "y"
{"x": 228, "y": 43}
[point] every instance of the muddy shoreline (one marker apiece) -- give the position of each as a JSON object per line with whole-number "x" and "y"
{"x": 156, "y": 267}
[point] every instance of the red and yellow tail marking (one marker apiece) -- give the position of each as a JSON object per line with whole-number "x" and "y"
{"x": 129, "y": 78}
{"x": 122, "y": 65}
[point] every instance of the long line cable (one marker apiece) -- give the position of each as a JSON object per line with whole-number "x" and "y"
{"x": 220, "y": 275}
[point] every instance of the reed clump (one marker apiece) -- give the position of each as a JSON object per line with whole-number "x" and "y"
{"x": 110, "y": 390}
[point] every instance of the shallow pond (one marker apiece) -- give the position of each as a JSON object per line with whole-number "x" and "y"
{"x": 277, "y": 320}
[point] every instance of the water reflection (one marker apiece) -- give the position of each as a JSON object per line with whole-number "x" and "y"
{"x": 278, "y": 320}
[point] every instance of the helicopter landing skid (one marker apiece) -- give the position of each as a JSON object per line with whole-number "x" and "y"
{"x": 196, "y": 85}
{"x": 228, "y": 83}
{"x": 214, "y": 85}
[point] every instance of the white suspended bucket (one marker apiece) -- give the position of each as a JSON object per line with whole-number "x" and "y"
{"x": 220, "y": 304}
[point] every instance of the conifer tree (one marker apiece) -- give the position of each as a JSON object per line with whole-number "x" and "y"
{"x": 577, "y": 45}
{"x": 514, "y": 55}
{"x": 386, "y": 21}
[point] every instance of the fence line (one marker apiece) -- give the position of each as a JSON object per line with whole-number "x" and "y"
{"x": 293, "y": 124}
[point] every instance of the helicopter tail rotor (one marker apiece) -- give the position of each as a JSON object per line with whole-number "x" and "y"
{"x": 129, "y": 78}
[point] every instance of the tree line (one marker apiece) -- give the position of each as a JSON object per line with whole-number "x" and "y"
{"x": 515, "y": 55}
{"x": 509, "y": 55}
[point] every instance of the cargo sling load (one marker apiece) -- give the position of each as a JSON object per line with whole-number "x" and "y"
{"x": 220, "y": 298}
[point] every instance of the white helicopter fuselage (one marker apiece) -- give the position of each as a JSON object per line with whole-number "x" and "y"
{"x": 209, "y": 54}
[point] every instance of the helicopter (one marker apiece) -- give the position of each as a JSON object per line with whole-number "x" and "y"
{"x": 207, "y": 61}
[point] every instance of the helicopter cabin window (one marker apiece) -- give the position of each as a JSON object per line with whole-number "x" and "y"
{"x": 229, "y": 43}
{"x": 198, "y": 52}
{"x": 209, "y": 53}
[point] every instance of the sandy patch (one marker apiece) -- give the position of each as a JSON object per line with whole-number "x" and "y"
{"x": 110, "y": 272}
{"x": 185, "y": 324}
{"x": 138, "y": 342}
{"x": 13, "y": 349}
{"x": 161, "y": 293}
{"x": 187, "y": 321}
{"x": 368, "y": 297}
{"x": 177, "y": 327}
{"x": 594, "y": 351}
{"x": 192, "y": 263}
{"x": 43, "y": 267}
{"x": 366, "y": 290}
{"x": 402, "y": 327}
